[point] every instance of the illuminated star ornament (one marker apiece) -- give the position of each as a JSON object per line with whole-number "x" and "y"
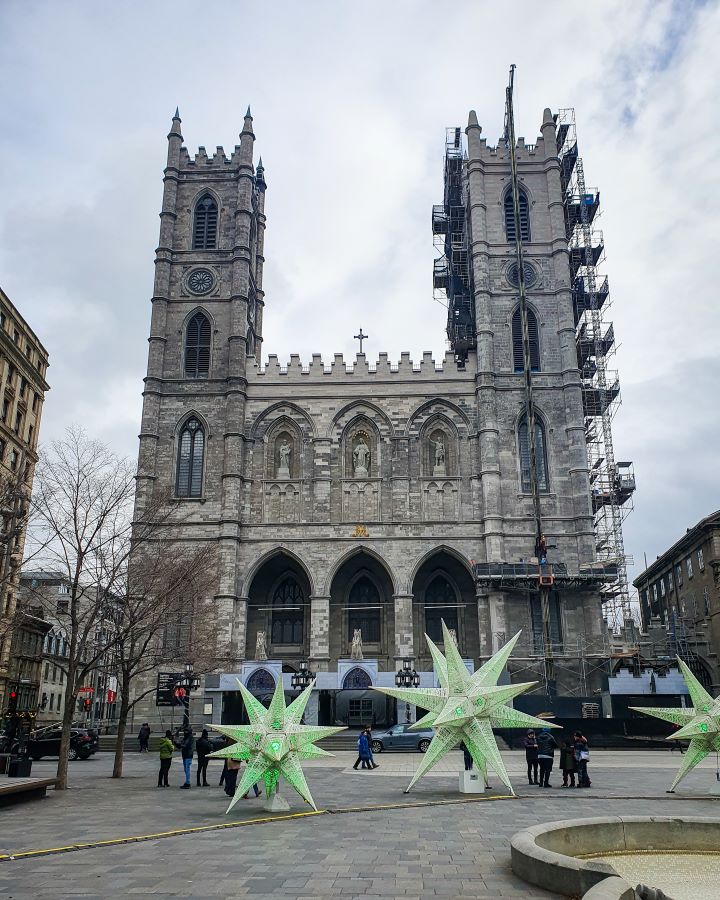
{"x": 274, "y": 743}
{"x": 701, "y": 723}
{"x": 467, "y": 707}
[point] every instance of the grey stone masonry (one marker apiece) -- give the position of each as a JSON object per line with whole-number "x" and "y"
{"x": 358, "y": 494}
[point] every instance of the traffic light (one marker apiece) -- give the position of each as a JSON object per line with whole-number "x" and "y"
{"x": 12, "y": 700}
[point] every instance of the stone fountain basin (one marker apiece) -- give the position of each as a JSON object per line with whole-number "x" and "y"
{"x": 551, "y": 855}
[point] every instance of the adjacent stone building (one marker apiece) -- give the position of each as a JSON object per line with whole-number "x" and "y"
{"x": 363, "y": 494}
{"x": 23, "y": 364}
{"x": 680, "y": 593}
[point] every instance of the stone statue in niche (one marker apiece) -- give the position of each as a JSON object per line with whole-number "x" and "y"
{"x": 356, "y": 649}
{"x": 453, "y": 635}
{"x": 261, "y": 646}
{"x": 285, "y": 451}
{"x": 361, "y": 458}
{"x": 439, "y": 454}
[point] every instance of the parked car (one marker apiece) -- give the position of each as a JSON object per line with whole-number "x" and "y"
{"x": 46, "y": 742}
{"x": 402, "y": 737}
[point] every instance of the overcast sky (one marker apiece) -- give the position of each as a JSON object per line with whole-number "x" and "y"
{"x": 350, "y": 103}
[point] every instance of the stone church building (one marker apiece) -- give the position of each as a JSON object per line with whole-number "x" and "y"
{"x": 368, "y": 494}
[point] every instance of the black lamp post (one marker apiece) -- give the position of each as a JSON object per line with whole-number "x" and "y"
{"x": 189, "y": 683}
{"x": 407, "y": 677}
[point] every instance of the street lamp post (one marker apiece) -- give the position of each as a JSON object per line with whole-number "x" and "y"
{"x": 407, "y": 677}
{"x": 188, "y": 682}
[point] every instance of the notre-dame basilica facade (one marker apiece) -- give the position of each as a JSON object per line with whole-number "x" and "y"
{"x": 365, "y": 494}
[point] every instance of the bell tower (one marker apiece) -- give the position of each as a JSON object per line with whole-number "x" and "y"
{"x": 207, "y": 309}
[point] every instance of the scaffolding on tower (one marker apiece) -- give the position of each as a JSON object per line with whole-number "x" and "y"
{"x": 612, "y": 483}
{"x": 451, "y": 271}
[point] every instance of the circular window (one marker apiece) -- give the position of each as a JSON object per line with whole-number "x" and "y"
{"x": 531, "y": 275}
{"x": 201, "y": 281}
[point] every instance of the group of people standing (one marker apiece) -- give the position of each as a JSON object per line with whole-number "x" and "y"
{"x": 188, "y": 746}
{"x": 540, "y": 756}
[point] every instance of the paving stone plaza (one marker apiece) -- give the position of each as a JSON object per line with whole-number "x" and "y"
{"x": 368, "y": 840}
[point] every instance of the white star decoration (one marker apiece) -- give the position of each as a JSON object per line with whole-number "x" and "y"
{"x": 467, "y": 707}
{"x": 274, "y": 743}
{"x": 701, "y": 723}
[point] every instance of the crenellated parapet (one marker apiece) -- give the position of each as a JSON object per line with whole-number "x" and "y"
{"x": 202, "y": 160}
{"x": 318, "y": 369}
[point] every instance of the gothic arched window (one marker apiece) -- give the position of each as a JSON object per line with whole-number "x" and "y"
{"x": 357, "y": 679}
{"x": 540, "y": 456}
{"x": 261, "y": 682}
{"x": 510, "y": 217}
{"x": 197, "y": 347}
{"x": 364, "y": 611}
{"x": 554, "y": 622}
{"x": 440, "y": 603}
{"x": 288, "y": 613}
{"x": 517, "y": 342}
{"x": 205, "y": 224}
{"x": 191, "y": 453}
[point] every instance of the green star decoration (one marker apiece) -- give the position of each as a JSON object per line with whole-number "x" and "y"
{"x": 274, "y": 743}
{"x": 466, "y": 708}
{"x": 701, "y": 723}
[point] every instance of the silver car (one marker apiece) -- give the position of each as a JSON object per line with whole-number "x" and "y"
{"x": 402, "y": 737}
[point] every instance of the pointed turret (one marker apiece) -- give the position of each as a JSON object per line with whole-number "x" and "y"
{"x": 260, "y": 176}
{"x": 473, "y": 132}
{"x": 175, "y": 140}
{"x": 247, "y": 137}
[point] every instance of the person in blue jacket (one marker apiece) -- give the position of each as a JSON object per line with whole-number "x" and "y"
{"x": 364, "y": 755}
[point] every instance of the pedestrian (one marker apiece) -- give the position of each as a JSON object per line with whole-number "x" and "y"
{"x": 144, "y": 737}
{"x": 546, "y": 756}
{"x": 203, "y": 747}
{"x": 187, "y": 745}
{"x": 373, "y": 764}
{"x": 363, "y": 759}
{"x": 467, "y": 757}
{"x": 231, "y": 776}
{"x": 256, "y": 789}
{"x": 582, "y": 755}
{"x": 567, "y": 762}
{"x": 531, "y": 757}
{"x": 166, "y": 754}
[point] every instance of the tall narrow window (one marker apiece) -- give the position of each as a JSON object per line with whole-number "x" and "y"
{"x": 288, "y": 613}
{"x": 191, "y": 450}
{"x": 554, "y": 621}
{"x": 197, "y": 347}
{"x": 364, "y": 611}
{"x": 440, "y": 604}
{"x": 205, "y": 226}
{"x": 510, "y": 217}
{"x": 540, "y": 456}
{"x": 517, "y": 342}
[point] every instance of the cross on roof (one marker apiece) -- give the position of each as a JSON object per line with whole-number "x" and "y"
{"x": 361, "y": 337}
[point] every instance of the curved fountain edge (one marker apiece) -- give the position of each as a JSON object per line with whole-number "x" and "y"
{"x": 547, "y": 855}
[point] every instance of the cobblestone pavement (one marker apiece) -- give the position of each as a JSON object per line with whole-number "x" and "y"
{"x": 427, "y": 849}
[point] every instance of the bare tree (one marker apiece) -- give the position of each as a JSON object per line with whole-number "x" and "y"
{"x": 161, "y": 615}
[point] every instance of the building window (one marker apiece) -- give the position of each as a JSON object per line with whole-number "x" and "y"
{"x": 540, "y": 456}
{"x": 16, "y": 336}
{"x": 31, "y": 434}
{"x": 197, "y": 347}
{"x": 678, "y": 574}
{"x": 357, "y": 679}
{"x": 62, "y": 607}
{"x": 517, "y": 342}
{"x": 510, "y": 217}
{"x": 364, "y": 611}
{"x": 18, "y": 423}
{"x": 288, "y": 613}
{"x": 47, "y": 670}
{"x": 191, "y": 451}
{"x": 52, "y": 700}
{"x": 23, "y": 386}
{"x": 440, "y": 603}
{"x": 701, "y": 560}
{"x": 662, "y": 587}
{"x": 706, "y": 600}
{"x": 261, "y": 683}
{"x": 2, "y": 450}
{"x": 63, "y": 588}
{"x": 688, "y": 565}
{"x": 205, "y": 227}
{"x": 655, "y": 592}
{"x": 14, "y": 456}
{"x": 34, "y": 402}
{"x": 5, "y": 410}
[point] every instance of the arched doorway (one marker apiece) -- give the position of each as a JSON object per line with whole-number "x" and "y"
{"x": 279, "y": 605}
{"x": 443, "y": 590}
{"x": 361, "y": 598}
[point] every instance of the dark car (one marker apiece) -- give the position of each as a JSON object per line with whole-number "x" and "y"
{"x": 402, "y": 737}
{"x": 46, "y": 742}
